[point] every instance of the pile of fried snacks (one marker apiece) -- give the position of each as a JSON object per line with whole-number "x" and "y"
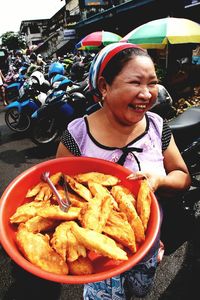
{"x": 104, "y": 217}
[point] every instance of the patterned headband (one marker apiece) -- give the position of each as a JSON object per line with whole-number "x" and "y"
{"x": 100, "y": 62}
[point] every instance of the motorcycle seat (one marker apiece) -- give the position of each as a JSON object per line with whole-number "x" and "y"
{"x": 189, "y": 120}
{"x": 80, "y": 88}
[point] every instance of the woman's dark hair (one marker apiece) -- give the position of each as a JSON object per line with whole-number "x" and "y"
{"x": 117, "y": 63}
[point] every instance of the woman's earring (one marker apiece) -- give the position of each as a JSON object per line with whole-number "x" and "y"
{"x": 102, "y": 98}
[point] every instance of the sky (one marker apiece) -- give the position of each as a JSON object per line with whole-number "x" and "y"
{"x": 13, "y": 12}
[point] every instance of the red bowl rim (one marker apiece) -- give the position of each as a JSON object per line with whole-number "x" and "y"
{"x": 74, "y": 279}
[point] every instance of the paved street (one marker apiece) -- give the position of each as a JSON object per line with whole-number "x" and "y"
{"x": 178, "y": 275}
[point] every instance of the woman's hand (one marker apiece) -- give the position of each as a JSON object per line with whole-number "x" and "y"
{"x": 152, "y": 178}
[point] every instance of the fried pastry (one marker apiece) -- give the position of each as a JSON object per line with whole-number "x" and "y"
{"x": 97, "y": 188}
{"x": 126, "y": 206}
{"x": 36, "y": 248}
{"x": 66, "y": 244}
{"x": 39, "y": 224}
{"x": 55, "y": 178}
{"x": 144, "y": 203}
{"x": 95, "y": 213}
{"x": 76, "y": 200}
{"x": 111, "y": 219}
{"x": 79, "y": 188}
{"x": 45, "y": 193}
{"x": 43, "y": 188}
{"x": 35, "y": 190}
{"x": 125, "y": 192}
{"x": 54, "y": 212}
{"x": 98, "y": 242}
{"x": 81, "y": 266}
{"x": 103, "y": 179}
{"x": 27, "y": 211}
{"x": 118, "y": 228}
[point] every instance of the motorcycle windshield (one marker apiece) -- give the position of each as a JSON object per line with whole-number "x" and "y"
{"x": 55, "y": 96}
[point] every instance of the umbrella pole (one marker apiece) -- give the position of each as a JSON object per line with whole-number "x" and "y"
{"x": 167, "y": 52}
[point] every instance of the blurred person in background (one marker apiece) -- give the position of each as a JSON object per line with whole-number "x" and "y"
{"x": 2, "y": 88}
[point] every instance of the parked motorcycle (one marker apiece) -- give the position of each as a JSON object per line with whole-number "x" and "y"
{"x": 59, "y": 109}
{"x": 14, "y": 83}
{"x": 60, "y": 82}
{"x": 31, "y": 96}
{"x": 182, "y": 213}
{"x": 186, "y": 131}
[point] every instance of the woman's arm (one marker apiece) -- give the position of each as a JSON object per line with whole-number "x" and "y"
{"x": 177, "y": 177}
{"x": 63, "y": 151}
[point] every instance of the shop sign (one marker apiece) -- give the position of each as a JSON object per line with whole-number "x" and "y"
{"x": 69, "y": 34}
{"x": 85, "y": 3}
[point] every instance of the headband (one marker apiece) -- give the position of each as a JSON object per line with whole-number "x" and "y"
{"x": 100, "y": 62}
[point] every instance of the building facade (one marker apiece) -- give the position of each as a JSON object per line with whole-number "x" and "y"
{"x": 77, "y": 18}
{"x": 33, "y": 31}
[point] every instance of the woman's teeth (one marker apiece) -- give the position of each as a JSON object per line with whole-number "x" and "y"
{"x": 141, "y": 106}
{"x": 137, "y": 106}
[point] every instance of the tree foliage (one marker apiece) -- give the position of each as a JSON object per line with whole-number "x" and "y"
{"x": 13, "y": 40}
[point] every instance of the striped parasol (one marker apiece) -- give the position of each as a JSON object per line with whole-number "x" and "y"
{"x": 158, "y": 33}
{"x": 97, "y": 40}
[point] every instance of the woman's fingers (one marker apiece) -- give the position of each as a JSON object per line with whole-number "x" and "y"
{"x": 140, "y": 176}
{"x": 135, "y": 176}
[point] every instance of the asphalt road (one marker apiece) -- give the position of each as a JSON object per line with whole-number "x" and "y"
{"x": 177, "y": 277}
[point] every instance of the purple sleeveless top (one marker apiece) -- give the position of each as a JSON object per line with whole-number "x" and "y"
{"x": 144, "y": 153}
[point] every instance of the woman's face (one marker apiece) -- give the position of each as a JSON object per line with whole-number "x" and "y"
{"x": 132, "y": 92}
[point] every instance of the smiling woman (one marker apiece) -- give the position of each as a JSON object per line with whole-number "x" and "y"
{"x": 122, "y": 76}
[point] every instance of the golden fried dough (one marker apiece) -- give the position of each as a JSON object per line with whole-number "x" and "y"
{"x": 54, "y": 212}
{"x": 35, "y": 190}
{"x": 43, "y": 189}
{"x": 76, "y": 200}
{"x": 90, "y": 213}
{"x": 112, "y": 222}
{"x": 41, "y": 192}
{"x": 35, "y": 247}
{"x": 79, "y": 188}
{"x": 118, "y": 228}
{"x": 95, "y": 213}
{"x": 126, "y": 206}
{"x": 81, "y": 266}
{"x": 144, "y": 203}
{"x": 98, "y": 242}
{"x": 66, "y": 244}
{"x": 45, "y": 193}
{"x": 39, "y": 224}
{"x": 103, "y": 179}
{"x": 122, "y": 191}
{"x": 27, "y": 211}
{"x": 97, "y": 188}
{"x": 55, "y": 178}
